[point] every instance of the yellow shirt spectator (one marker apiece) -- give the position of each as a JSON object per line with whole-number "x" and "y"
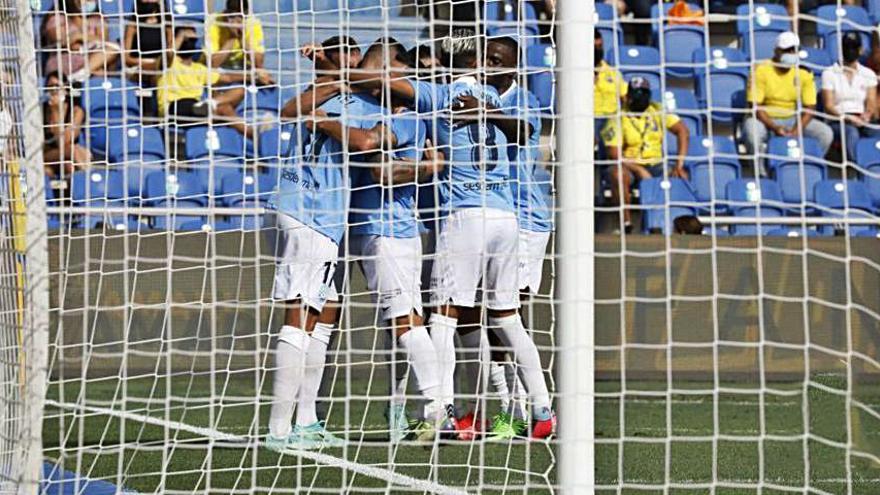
{"x": 778, "y": 93}
{"x": 640, "y": 136}
{"x": 218, "y": 34}
{"x": 183, "y": 80}
{"x": 608, "y": 90}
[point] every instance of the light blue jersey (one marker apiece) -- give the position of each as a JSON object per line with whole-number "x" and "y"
{"x": 531, "y": 205}
{"x": 314, "y": 185}
{"x": 389, "y": 211}
{"x": 477, "y": 170}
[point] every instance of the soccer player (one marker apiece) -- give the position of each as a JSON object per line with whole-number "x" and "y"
{"x": 305, "y": 231}
{"x": 384, "y": 231}
{"x": 479, "y": 234}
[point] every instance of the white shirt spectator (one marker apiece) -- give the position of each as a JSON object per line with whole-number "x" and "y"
{"x": 849, "y": 95}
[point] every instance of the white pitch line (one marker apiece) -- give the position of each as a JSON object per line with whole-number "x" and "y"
{"x": 328, "y": 460}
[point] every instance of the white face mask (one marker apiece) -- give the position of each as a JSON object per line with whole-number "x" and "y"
{"x": 89, "y": 7}
{"x": 789, "y": 59}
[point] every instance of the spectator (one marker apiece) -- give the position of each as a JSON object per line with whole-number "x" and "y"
{"x": 609, "y": 89}
{"x": 780, "y": 91}
{"x": 76, "y": 38}
{"x": 641, "y": 10}
{"x": 636, "y": 140}
{"x": 235, "y": 38}
{"x": 688, "y": 225}
{"x": 849, "y": 94}
{"x": 63, "y": 118}
{"x": 182, "y": 86}
{"x": 145, "y": 41}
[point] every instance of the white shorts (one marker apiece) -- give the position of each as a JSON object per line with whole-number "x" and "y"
{"x": 305, "y": 261}
{"x": 532, "y": 248}
{"x": 477, "y": 244}
{"x": 392, "y": 268}
{"x": 428, "y": 252}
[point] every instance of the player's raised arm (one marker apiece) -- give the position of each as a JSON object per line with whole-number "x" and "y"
{"x": 470, "y": 109}
{"x": 376, "y": 138}
{"x": 324, "y": 88}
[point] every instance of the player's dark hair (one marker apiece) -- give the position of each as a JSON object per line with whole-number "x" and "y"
{"x": 688, "y": 224}
{"x": 505, "y": 40}
{"x": 237, "y": 7}
{"x": 340, "y": 44}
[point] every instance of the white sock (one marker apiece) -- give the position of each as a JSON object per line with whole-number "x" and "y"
{"x": 442, "y": 335}
{"x": 423, "y": 359}
{"x": 290, "y": 358}
{"x": 512, "y": 333}
{"x": 316, "y": 361}
{"x": 475, "y": 356}
{"x": 498, "y": 378}
{"x": 518, "y": 394}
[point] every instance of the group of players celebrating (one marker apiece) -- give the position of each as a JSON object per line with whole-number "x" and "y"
{"x": 387, "y": 143}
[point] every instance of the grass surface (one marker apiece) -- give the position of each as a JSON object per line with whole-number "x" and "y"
{"x": 632, "y": 452}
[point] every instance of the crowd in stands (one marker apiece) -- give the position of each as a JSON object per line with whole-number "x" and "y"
{"x": 698, "y": 123}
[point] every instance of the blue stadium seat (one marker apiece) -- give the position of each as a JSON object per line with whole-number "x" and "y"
{"x": 661, "y": 196}
{"x": 608, "y": 26}
{"x": 110, "y": 98}
{"x": 754, "y": 198}
{"x": 792, "y": 231}
{"x": 98, "y": 188}
{"x": 680, "y": 43}
{"x": 815, "y": 60}
{"x": 644, "y": 61}
{"x": 845, "y": 199}
{"x": 871, "y": 178}
{"x": 188, "y": 9}
{"x": 725, "y": 79}
{"x": 868, "y": 152}
{"x": 116, "y": 13}
{"x": 709, "y": 178}
{"x": 762, "y": 48}
{"x": 873, "y": 8}
{"x": 135, "y": 177}
{"x": 211, "y": 176}
{"x": 246, "y": 189}
{"x": 657, "y": 13}
{"x": 833, "y": 21}
{"x": 539, "y": 61}
{"x": 275, "y": 143}
{"x": 763, "y": 17}
{"x": 214, "y": 141}
{"x": 789, "y": 149}
{"x": 180, "y": 189}
{"x": 261, "y": 100}
{"x": 683, "y": 103}
{"x": 135, "y": 144}
{"x": 791, "y": 175}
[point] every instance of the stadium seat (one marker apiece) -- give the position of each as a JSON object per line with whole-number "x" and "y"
{"x": 608, "y": 26}
{"x": 845, "y": 199}
{"x": 261, "y": 100}
{"x": 518, "y": 20}
{"x": 540, "y": 60}
{"x": 644, "y": 61}
{"x": 725, "y": 79}
{"x": 798, "y": 180}
{"x": 833, "y": 21}
{"x": 871, "y": 178}
{"x": 754, "y": 198}
{"x": 792, "y": 231}
{"x": 868, "y": 152}
{"x": 661, "y": 196}
{"x": 110, "y": 98}
{"x": 275, "y": 143}
{"x": 188, "y": 9}
{"x": 709, "y": 179}
{"x": 214, "y": 141}
{"x": 679, "y": 44}
{"x": 134, "y": 175}
{"x": 162, "y": 187}
{"x": 873, "y": 8}
{"x": 210, "y": 176}
{"x": 761, "y": 17}
{"x": 790, "y": 149}
{"x": 242, "y": 189}
{"x": 759, "y": 45}
{"x": 683, "y": 103}
{"x": 135, "y": 144}
{"x": 98, "y": 188}
{"x": 815, "y": 60}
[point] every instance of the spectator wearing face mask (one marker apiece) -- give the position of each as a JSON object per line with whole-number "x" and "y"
{"x": 609, "y": 90}
{"x": 784, "y": 98}
{"x": 635, "y": 143}
{"x": 234, "y": 38}
{"x": 75, "y": 36}
{"x": 185, "y": 90}
{"x": 849, "y": 94}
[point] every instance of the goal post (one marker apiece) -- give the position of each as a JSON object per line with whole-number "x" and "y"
{"x": 575, "y": 238}
{"x": 24, "y": 319}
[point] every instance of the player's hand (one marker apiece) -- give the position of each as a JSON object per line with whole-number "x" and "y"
{"x": 781, "y": 131}
{"x": 467, "y": 104}
{"x": 312, "y": 52}
{"x": 680, "y": 171}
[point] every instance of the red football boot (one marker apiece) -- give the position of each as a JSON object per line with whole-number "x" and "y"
{"x": 543, "y": 429}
